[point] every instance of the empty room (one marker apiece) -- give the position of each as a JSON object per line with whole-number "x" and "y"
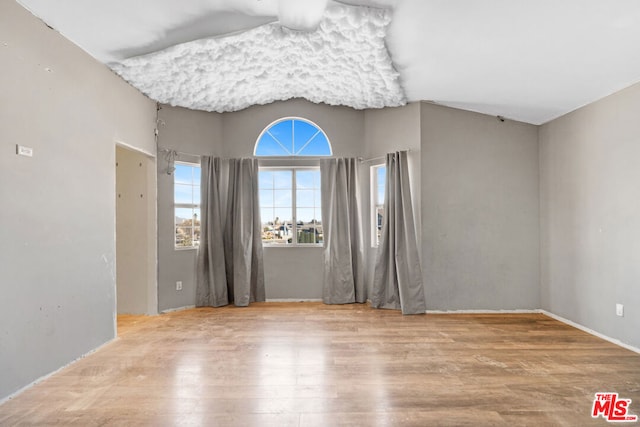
{"x": 319, "y": 213}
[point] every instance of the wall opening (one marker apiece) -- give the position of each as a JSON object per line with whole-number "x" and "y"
{"x": 136, "y": 238}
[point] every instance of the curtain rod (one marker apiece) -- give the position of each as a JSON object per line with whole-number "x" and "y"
{"x": 378, "y": 158}
{"x": 168, "y": 150}
{"x": 362, "y": 160}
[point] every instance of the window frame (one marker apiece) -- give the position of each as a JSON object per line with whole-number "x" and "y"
{"x": 293, "y": 155}
{"x": 294, "y": 223}
{"x": 293, "y": 162}
{"x": 375, "y": 203}
{"x": 185, "y": 206}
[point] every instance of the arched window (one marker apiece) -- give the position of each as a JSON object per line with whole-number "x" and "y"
{"x": 292, "y": 136}
{"x": 289, "y": 191}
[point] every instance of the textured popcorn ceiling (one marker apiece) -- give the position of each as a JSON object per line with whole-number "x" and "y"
{"x": 343, "y": 62}
{"x": 521, "y": 59}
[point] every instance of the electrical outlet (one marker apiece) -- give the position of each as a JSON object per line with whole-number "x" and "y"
{"x": 178, "y": 286}
{"x": 24, "y": 151}
{"x": 619, "y": 310}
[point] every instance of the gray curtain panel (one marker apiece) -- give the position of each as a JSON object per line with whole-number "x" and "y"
{"x": 211, "y": 275}
{"x": 343, "y": 247}
{"x": 230, "y": 262}
{"x": 397, "y": 280}
{"x": 242, "y": 234}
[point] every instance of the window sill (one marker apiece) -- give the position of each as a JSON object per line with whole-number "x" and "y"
{"x": 186, "y": 248}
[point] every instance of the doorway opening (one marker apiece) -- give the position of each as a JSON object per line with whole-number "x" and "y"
{"x": 136, "y": 238}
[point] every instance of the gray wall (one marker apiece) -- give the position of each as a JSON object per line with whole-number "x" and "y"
{"x": 480, "y": 229}
{"x": 193, "y": 132}
{"x": 478, "y": 184}
{"x": 388, "y": 130}
{"x": 136, "y": 234}
{"x": 234, "y": 135}
{"x": 590, "y": 215}
{"x": 57, "y": 222}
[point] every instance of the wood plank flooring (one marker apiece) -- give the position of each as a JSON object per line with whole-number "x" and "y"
{"x": 308, "y": 364}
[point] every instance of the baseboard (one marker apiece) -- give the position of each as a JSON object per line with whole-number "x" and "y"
{"x": 518, "y": 311}
{"x": 188, "y": 307}
{"x": 50, "y": 374}
{"x": 546, "y": 313}
{"x": 172, "y": 310}
{"x": 590, "y": 331}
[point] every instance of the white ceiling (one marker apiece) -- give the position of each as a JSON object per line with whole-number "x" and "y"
{"x": 528, "y": 60}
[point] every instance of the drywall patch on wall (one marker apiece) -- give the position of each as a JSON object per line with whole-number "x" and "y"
{"x": 343, "y": 62}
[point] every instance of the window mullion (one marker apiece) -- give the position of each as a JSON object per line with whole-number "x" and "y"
{"x": 294, "y": 213}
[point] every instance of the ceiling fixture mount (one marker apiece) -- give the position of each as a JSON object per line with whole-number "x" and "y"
{"x": 301, "y": 15}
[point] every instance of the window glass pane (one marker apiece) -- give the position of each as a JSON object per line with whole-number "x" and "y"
{"x": 268, "y": 146}
{"x": 187, "y": 222}
{"x": 319, "y": 146}
{"x": 305, "y": 198}
{"x": 282, "y": 179}
{"x": 268, "y": 233}
{"x": 377, "y": 202}
{"x": 303, "y": 134}
{"x": 183, "y": 193}
{"x": 307, "y": 179}
{"x": 184, "y": 236}
{"x": 305, "y": 215}
{"x": 282, "y": 133}
{"x": 265, "y": 179}
{"x": 280, "y": 230}
{"x": 293, "y": 137}
{"x": 282, "y": 215}
{"x": 381, "y": 175}
{"x": 183, "y": 174}
{"x": 267, "y": 215}
{"x": 308, "y": 234}
{"x": 276, "y": 206}
{"x": 378, "y": 222}
{"x": 184, "y": 214}
{"x": 187, "y": 192}
{"x": 282, "y": 198}
{"x": 309, "y": 225}
{"x": 266, "y": 197}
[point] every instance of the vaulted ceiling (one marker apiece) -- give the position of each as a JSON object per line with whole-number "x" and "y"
{"x": 525, "y": 60}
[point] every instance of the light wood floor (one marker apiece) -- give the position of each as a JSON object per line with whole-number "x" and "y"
{"x": 307, "y": 364}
